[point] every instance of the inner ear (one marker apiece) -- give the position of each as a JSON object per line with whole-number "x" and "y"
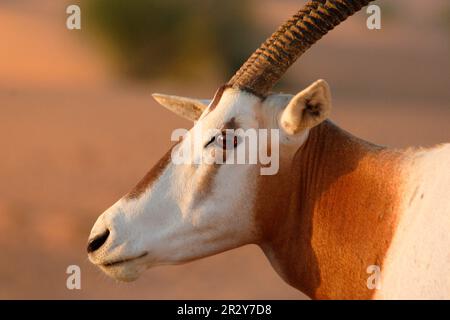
{"x": 313, "y": 108}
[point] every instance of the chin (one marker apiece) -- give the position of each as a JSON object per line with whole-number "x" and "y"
{"x": 125, "y": 273}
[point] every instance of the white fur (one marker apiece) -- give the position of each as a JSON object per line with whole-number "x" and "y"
{"x": 418, "y": 261}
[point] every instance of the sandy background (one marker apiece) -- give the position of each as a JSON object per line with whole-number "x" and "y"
{"x": 74, "y": 138}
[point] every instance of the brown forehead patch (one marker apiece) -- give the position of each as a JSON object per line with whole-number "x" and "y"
{"x": 231, "y": 124}
{"x": 151, "y": 176}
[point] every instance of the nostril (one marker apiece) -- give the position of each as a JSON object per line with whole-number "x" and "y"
{"x": 97, "y": 241}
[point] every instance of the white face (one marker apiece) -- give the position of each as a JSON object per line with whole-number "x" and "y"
{"x": 182, "y": 212}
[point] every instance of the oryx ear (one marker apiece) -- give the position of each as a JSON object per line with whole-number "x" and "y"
{"x": 188, "y": 108}
{"x": 307, "y": 109}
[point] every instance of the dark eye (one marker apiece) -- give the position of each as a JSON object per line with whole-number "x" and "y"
{"x": 210, "y": 141}
{"x": 227, "y": 141}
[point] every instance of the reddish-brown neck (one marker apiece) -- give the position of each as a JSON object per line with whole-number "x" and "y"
{"x": 332, "y": 213}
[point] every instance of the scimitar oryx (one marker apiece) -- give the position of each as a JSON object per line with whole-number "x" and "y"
{"x": 337, "y": 206}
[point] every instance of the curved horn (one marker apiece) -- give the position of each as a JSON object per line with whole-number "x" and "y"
{"x": 268, "y": 63}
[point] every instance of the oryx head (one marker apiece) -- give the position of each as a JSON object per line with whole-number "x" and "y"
{"x": 205, "y": 204}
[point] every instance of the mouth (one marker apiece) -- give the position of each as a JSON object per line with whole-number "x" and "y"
{"x": 122, "y": 261}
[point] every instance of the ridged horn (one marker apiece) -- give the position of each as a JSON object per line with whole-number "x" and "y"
{"x": 271, "y": 60}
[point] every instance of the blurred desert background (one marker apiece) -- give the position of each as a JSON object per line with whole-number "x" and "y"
{"x": 78, "y": 126}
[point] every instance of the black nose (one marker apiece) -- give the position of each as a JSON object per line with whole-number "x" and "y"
{"x": 97, "y": 242}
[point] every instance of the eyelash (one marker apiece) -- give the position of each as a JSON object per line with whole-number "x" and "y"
{"x": 210, "y": 141}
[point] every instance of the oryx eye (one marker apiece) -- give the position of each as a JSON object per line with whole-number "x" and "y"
{"x": 227, "y": 140}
